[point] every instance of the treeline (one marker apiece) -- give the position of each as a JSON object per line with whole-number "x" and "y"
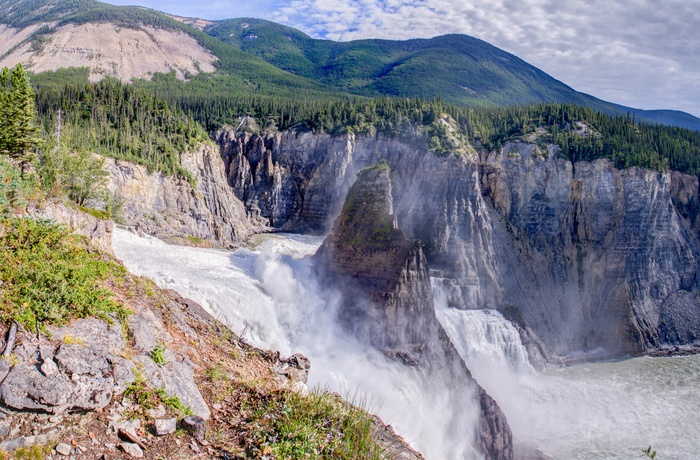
{"x": 22, "y": 13}
{"x": 582, "y": 134}
{"x": 120, "y": 121}
{"x": 151, "y": 123}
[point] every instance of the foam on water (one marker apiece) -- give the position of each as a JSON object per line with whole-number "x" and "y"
{"x": 609, "y": 410}
{"x": 595, "y": 411}
{"x": 269, "y": 295}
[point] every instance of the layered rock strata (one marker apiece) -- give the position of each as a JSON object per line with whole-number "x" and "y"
{"x": 597, "y": 260}
{"x": 387, "y": 298}
{"x": 205, "y": 211}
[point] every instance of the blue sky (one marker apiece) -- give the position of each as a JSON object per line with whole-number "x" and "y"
{"x": 640, "y": 53}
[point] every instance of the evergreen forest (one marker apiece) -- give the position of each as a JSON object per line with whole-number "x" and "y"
{"x": 152, "y": 122}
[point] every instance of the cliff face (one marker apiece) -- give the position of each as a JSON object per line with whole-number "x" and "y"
{"x": 596, "y": 259}
{"x": 388, "y": 302}
{"x": 171, "y": 208}
{"x": 605, "y": 249}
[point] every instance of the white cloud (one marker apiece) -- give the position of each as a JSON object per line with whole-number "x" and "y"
{"x": 207, "y": 9}
{"x": 639, "y": 53}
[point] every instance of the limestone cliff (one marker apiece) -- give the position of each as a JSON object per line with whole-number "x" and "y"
{"x": 597, "y": 260}
{"x": 387, "y": 297}
{"x": 172, "y": 208}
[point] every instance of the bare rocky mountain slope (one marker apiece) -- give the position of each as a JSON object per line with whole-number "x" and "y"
{"x": 106, "y": 49}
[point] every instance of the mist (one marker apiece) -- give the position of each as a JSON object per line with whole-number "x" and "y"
{"x": 269, "y": 295}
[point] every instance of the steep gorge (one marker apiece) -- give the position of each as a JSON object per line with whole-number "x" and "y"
{"x": 597, "y": 260}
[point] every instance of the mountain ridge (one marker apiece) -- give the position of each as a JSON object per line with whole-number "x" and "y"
{"x": 526, "y": 84}
{"x": 262, "y": 57}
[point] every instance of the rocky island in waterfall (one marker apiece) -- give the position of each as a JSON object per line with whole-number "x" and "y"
{"x": 228, "y": 239}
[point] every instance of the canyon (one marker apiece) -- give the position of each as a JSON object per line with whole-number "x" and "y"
{"x": 585, "y": 261}
{"x": 593, "y": 260}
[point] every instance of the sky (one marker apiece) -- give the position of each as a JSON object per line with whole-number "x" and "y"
{"x": 638, "y": 53}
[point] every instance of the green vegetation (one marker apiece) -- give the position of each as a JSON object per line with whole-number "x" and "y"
{"x": 157, "y": 354}
{"x": 36, "y": 452}
{"x": 148, "y": 398}
{"x": 381, "y": 165}
{"x": 422, "y": 123}
{"x": 649, "y": 453}
{"x": 320, "y": 425}
{"x": 17, "y": 115}
{"x": 15, "y": 191}
{"x": 457, "y": 68}
{"x": 120, "y": 121}
{"x": 50, "y": 276}
{"x": 584, "y": 134}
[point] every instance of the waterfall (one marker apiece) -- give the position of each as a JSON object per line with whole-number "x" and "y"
{"x": 268, "y": 293}
{"x": 481, "y": 335}
{"x": 591, "y": 411}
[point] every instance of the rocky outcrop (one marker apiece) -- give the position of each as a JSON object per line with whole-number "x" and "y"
{"x": 81, "y": 373}
{"x": 597, "y": 260}
{"x": 98, "y": 231}
{"x": 172, "y": 208}
{"x": 82, "y": 367}
{"x": 387, "y": 297}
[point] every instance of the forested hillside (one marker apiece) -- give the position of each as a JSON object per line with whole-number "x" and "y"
{"x": 583, "y": 134}
{"x": 151, "y": 125}
{"x": 457, "y": 68}
{"x": 120, "y": 121}
{"x": 262, "y": 58}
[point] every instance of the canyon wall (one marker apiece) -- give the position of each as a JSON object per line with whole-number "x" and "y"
{"x": 204, "y": 212}
{"x": 597, "y": 260}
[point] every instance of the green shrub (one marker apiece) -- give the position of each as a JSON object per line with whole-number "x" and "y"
{"x": 79, "y": 174}
{"x": 320, "y": 425}
{"x": 15, "y": 191}
{"x": 147, "y": 398}
{"x": 157, "y": 354}
{"x": 49, "y": 276}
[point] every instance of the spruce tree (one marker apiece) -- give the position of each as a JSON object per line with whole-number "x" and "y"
{"x": 4, "y": 109}
{"x": 21, "y": 116}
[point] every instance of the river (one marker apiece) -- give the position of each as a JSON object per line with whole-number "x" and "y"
{"x": 267, "y": 294}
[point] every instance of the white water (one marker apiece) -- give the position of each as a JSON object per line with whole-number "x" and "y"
{"x": 608, "y": 410}
{"x": 595, "y": 411}
{"x": 268, "y": 294}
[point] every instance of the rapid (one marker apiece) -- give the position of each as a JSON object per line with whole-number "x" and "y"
{"x": 268, "y": 295}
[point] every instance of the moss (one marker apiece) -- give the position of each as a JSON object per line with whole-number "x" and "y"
{"x": 380, "y": 166}
{"x": 97, "y": 213}
{"x": 320, "y": 425}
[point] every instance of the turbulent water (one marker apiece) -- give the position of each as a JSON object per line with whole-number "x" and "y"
{"x": 268, "y": 295}
{"x": 595, "y": 411}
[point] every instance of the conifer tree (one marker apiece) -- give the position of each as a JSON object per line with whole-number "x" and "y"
{"x": 21, "y": 117}
{"x": 4, "y": 109}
